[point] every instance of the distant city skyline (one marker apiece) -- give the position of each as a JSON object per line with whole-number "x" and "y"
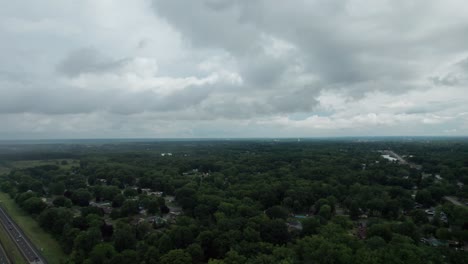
{"x": 233, "y": 69}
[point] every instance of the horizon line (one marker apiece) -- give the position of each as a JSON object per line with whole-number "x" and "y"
{"x": 227, "y": 138}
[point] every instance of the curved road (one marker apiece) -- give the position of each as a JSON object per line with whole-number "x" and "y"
{"x": 22, "y": 242}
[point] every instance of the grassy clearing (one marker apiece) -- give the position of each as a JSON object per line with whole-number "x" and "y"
{"x": 51, "y": 248}
{"x": 7, "y": 166}
{"x": 23, "y": 164}
{"x": 4, "y": 170}
{"x": 11, "y": 250}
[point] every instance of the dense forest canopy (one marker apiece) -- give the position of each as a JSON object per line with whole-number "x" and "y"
{"x": 247, "y": 201}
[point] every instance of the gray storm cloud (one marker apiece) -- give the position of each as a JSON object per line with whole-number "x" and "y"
{"x": 178, "y": 68}
{"x": 88, "y": 60}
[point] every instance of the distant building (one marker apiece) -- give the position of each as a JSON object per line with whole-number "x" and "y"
{"x": 145, "y": 190}
{"x": 430, "y": 211}
{"x": 105, "y": 206}
{"x": 104, "y": 181}
{"x": 156, "y": 220}
{"x": 150, "y": 192}
{"x": 433, "y": 242}
{"x": 361, "y": 231}
{"x": 294, "y": 225}
{"x": 425, "y": 175}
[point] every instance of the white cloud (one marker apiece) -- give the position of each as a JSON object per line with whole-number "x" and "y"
{"x": 143, "y": 68}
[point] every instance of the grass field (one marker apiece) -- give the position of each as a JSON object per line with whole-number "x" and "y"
{"x": 4, "y": 170}
{"x": 50, "y": 247}
{"x": 11, "y": 250}
{"x": 6, "y": 167}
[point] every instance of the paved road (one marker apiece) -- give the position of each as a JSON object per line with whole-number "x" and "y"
{"x": 396, "y": 156}
{"x": 454, "y": 201}
{"x": 401, "y": 159}
{"x": 3, "y": 257}
{"x": 22, "y": 242}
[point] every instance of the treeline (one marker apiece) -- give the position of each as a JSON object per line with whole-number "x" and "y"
{"x": 248, "y": 202}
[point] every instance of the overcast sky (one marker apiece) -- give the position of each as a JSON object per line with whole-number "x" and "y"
{"x": 233, "y": 68}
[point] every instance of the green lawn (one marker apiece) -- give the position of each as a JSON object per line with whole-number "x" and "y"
{"x": 50, "y": 247}
{"x": 11, "y": 250}
{"x": 4, "y": 170}
{"x": 7, "y": 166}
{"x": 33, "y": 163}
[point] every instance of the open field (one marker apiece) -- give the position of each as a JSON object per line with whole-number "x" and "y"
{"x": 4, "y": 170}
{"x": 6, "y": 167}
{"x": 50, "y": 247}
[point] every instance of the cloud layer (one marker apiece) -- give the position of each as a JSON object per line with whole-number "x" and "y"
{"x": 231, "y": 68}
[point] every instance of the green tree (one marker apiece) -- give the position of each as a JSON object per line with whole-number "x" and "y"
{"x": 110, "y": 192}
{"x": 153, "y": 206}
{"x": 310, "y": 226}
{"x": 325, "y": 211}
{"x": 118, "y": 200}
{"x": 86, "y": 240}
{"x": 102, "y": 253}
{"x": 424, "y": 197}
{"x": 232, "y": 257}
{"x": 376, "y": 205}
{"x": 62, "y": 201}
{"x": 54, "y": 219}
{"x": 186, "y": 197}
{"x": 176, "y": 256}
{"x": 81, "y": 197}
{"x": 34, "y": 205}
{"x": 381, "y": 230}
{"x": 317, "y": 249}
{"x": 165, "y": 244}
{"x": 443, "y": 233}
{"x": 181, "y": 236}
{"x": 275, "y": 232}
{"x": 57, "y": 188}
{"x": 196, "y": 252}
{"x": 151, "y": 255}
{"x": 127, "y": 256}
{"x": 277, "y": 212}
{"x": 419, "y": 217}
{"x": 124, "y": 237}
{"x": 129, "y": 208}
{"x": 319, "y": 203}
{"x": 130, "y": 192}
